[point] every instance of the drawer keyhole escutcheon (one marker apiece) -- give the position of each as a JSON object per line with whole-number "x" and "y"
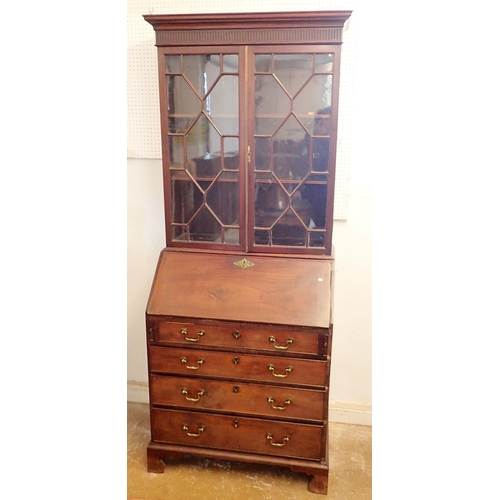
{"x": 288, "y": 369}
{"x": 236, "y": 424}
{"x": 201, "y": 393}
{"x": 285, "y": 440}
{"x": 184, "y": 331}
{"x": 236, "y": 360}
{"x": 236, "y": 334}
{"x": 198, "y": 363}
{"x": 236, "y": 389}
{"x": 289, "y": 342}
{"x": 271, "y": 401}
{"x": 201, "y": 429}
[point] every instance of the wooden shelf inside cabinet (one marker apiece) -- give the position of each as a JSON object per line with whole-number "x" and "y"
{"x": 239, "y": 318}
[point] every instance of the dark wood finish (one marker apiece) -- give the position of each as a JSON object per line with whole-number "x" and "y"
{"x": 255, "y": 435}
{"x": 290, "y": 371}
{"x": 238, "y": 397}
{"x": 239, "y": 333}
{"x": 273, "y": 290}
{"x": 224, "y": 335}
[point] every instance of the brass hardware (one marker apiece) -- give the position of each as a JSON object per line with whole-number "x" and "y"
{"x": 236, "y": 360}
{"x": 199, "y": 363}
{"x": 236, "y": 424}
{"x": 200, "y": 334}
{"x": 236, "y": 334}
{"x": 236, "y": 389}
{"x": 271, "y": 401}
{"x": 288, "y": 369}
{"x": 201, "y": 428}
{"x": 249, "y": 155}
{"x": 243, "y": 263}
{"x": 285, "y": 440}
{"x": 289, "y": 342}
{"x": 201, "y": 393}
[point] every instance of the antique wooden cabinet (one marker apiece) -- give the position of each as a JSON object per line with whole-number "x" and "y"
{"x": 239, "y": 318}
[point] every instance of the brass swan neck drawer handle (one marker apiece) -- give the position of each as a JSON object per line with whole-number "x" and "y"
{"x": 199, "y": 363}
{"x": 201, "y": 393}
{"x": 201, "y": 428}
{"x": 285, "y": 440}
{"x": 289, "y": 342}
{"x": 286, "y": 402}
{"x": 184, "y": 332}
{"x": 288, "y": 369}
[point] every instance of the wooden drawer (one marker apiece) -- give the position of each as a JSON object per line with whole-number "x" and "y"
{"x": 254, "y": 435}
{"x": 240, "y": 397}
{"x": 278, "y": 340}
{"x": 309, "y": 372}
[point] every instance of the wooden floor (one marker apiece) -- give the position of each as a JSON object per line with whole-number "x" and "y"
{"x": 350, "y": 470}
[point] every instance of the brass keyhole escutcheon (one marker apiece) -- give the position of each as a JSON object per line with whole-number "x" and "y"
{"x": 236, "y": 424}
{"x": 236, "y": 389}
{"x": 236, "y": 360}
{"x": 236, "y": 334}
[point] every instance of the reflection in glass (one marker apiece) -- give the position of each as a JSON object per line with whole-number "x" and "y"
{"x": 292, "y": 140}
{"x": 203, "y": 130}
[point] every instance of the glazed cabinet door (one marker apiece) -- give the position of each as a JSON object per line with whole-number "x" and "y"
{"x": 292, "y": 143}
{"x": 201, "y": 93}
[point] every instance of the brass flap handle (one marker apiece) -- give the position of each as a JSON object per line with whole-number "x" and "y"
{"x": 288, "y": 369}
{"x": 289, "y": 342}
{"x": 286, "y": 402}
{"x": 201, "y": 393}
{"x": 184, "y": 332}
{"x": 198, "y": 363}
{"x": 201, "y": 429}
{"x": 269, "y": 437}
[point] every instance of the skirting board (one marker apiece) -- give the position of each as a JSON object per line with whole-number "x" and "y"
{"x": 339, "y": 411}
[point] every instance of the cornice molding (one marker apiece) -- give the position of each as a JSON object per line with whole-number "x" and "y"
{"x": 250, "y": 28}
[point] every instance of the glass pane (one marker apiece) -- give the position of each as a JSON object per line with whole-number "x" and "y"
{"x": 289, "y": 231}
{"x": 271, "y": 201}
{"x": 315, "y": 98}
{"x": 288, "y": 159}
{"x": 220, "y": 105}
{"x": 202, "y": 71}
{"x": 183, "y": 104}
{"x": 204, "y": 147}
{"x": 230, "y": 63}
{"x": 187, "y": 199}
{"x": 292, "y": 142}
{"x": 262, "y": 148}
{"x": 222, "y": 198}
{"x": 205, "y": 227}
{"x": 293, "y": 70}
{"x": 173, "y": 64}
{"x": 271, "y": 97}
{"x": 263, "y": 63}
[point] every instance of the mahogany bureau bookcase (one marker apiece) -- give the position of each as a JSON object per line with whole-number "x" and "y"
{"x": 239, "y": 318}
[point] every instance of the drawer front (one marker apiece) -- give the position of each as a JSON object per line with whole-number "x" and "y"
{"x": 239, "y": 397}
{"x": 237, "y": 366}
{"x": 210, "y": 334}
{"x": 253, "y": 435}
